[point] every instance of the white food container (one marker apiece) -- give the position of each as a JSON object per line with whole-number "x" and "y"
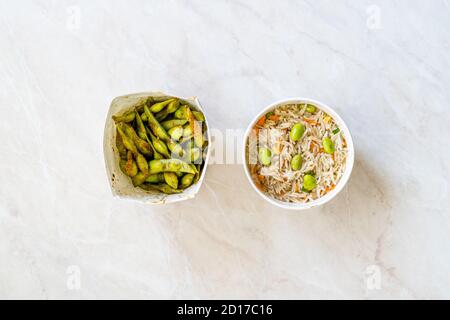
{"x": 348, "y": 167}
{"x": 121, "y": 185}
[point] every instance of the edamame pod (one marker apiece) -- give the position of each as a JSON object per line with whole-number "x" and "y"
{"x": 127, "y": 142}
{"x": 159, "y": 145}
{"x": 187, "y": 180}
{"x": 171, "y": 179}
{"x": 156, "y": 127}
{"x": 196, "y": 128}
{"x": 173, "y": 106}
{"x": 127, "y": 117}
{"x": 139, "y": 179}
{"x": 169, "y": 165}
{"x": 142, "y": 163}
{"x": 155, "y": 178}
{"x": 176, "y": 132}
{"x": 130, "y": 171}
{"x": 198, "y": 115}
{"x": 168, "y": 124}
{"x": 142, "y": 145}
{"x": 120, "y": 146}
{"x": 157, "y": 107}
{"x": 164, "y": 188}
{"x": 181, "y": 112}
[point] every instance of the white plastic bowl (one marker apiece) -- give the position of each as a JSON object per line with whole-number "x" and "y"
{"x": 348, "y": 167}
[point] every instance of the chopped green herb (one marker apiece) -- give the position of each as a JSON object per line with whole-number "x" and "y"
{"x": 336, "y": 130}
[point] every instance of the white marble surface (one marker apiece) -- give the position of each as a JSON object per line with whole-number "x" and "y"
{"x": 384, "y": 65}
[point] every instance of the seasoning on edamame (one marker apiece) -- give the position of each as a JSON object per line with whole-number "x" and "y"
{"x": 148, "y": 149}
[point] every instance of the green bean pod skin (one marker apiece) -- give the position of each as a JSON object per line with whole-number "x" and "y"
{"x": 155, "y": 178}
{"x": 187, "y": 180}
{"x": 181, "y": 112}
{"x": 156, "y": 127}
{"x": 157, "y": 107}
{"x": 176, "y": 132}
{"x": 127, "y": 142}
{"x": 162, "y": 187}
{"x": 171, "y": 179}
{"x": 127, "y": 117}
{"x": 139, "y": 179}
{"x": 142, "y": 163}
{"x": 120, "y": 146}
{"x": 169, "y": 124}
{"x": 169, "y": 165}
{"x": 173, "y": 106}
{"x": 130, "y": 170}
{"x": 142, "y": 145}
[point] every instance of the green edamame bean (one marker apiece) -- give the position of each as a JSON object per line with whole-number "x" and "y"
{"x": 168, "y": 124}
{"x": 176, "y": 132}
{"x": 328, "y": 145}
{"x": 169, "y": 165}
{"x": 309, "y": 182}
{"x": 297, "y": 131}
{"x": 157, "y": 107}
{"x": 296, "y": 162}
{"x": 310, "y": 108}
{"x": 187, "y": 180}
{"x": 171, "y": 179}
{"x": 127, "y": 117}
{"x": 265, "y": 156}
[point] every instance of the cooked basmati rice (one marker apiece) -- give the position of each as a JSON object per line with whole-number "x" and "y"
{"x": 278, "y": 180}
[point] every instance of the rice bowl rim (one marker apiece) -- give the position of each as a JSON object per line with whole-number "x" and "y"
{"x": 348, "y": 164}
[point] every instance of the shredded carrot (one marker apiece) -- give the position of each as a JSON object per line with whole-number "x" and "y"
{"x": 321, "y": 150}
{"x": 274, "y": 117}
{"x": 261, "y": 121}
{"x": 311, "y": 121}
{"x": 259, "y": 186}
{"x": 329, "y": 188}
{"x": 260, "y": 177}
{"x": 332, "y": 157}
{"x": 344, "y": 142}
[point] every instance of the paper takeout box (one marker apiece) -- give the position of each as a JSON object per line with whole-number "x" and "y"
{"x": 121, "y": 185}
